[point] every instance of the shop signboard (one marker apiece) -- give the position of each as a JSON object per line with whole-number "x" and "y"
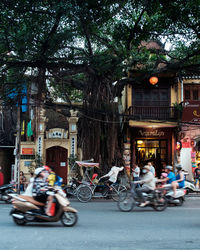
{"x": 191, "y": 112}
{"x": 27, "y": 151}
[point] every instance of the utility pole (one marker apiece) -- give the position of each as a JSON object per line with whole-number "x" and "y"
{"x": 17, "y": 148}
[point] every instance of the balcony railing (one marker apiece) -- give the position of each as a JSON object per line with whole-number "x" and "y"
{"x": 153, "y": 113}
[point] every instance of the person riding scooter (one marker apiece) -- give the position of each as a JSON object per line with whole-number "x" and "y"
{"x": 170, "y": 175}
{"x": 40, "y": 188}
{"x": 180, "y": 180}
{"x": 148, "y": 181}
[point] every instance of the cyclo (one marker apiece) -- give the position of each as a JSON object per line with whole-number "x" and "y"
{"x": 91, "y": 187}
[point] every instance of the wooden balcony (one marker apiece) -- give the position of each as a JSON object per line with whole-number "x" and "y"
{"x": 153, "y": 113}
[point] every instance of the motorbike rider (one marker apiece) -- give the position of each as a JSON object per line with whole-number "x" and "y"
{"x": 148, "y": 181}
{"x": 180, "y": 180}
{"x": 170, "y": 175}
{"x": 40, "y": 187}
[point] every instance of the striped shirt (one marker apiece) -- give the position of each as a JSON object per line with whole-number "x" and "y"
{"x": 39, "y": 184}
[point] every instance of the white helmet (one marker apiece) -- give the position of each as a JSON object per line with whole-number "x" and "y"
{"x": 169, "y": 167}
{"x": 38, "y": 170}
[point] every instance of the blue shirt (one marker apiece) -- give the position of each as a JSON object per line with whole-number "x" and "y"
{"x": 181, "y": 183}
{"x": 171, "y": 177}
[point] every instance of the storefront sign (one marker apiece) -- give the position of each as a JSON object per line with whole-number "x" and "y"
{"x": 39, "y": 146}
{"x": 191, "y": 112}
{"x": 27, "y": 151}
{"x": 152, "y": 133}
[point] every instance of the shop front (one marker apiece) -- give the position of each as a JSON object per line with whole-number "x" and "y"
{"x": 152, "y": 144}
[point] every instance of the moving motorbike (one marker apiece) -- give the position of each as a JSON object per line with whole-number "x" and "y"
{"x": 26, "y": 209}
{"x": 5, "y": 190}
{"x": 180, "y": 196}
{"x": 129, "y": 199}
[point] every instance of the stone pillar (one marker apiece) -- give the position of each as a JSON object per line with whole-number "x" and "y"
{"x": 73, "y": 132}
{"x": 127, "y": 157}
{"x": 40, "y": 135}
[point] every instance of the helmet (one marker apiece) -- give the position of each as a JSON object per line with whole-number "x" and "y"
{"x": 169, "y": 167}
{"x": 47, "y": 168}
{"x": 39, "y": 170}
{"x": 179, "y": 166}
{"x": 164, "y": 175}
{"x": 147, "y": 167}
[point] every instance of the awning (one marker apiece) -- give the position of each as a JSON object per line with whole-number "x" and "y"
{"x": 87, "y": 164}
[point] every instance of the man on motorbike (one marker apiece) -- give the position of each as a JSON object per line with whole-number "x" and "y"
{"x": 148, "y": 181}
{"x": 170, "y": 175}
{"x": 40, "y": 188}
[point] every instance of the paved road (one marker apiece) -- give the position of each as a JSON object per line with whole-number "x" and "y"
{"x": 102, "y": 226}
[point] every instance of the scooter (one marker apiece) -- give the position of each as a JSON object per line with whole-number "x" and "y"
{"x": 190, "y": 187}
{"x": 5, "y": 190}
{"x": 180, "y": 196}
{"x": 26, "y": 209}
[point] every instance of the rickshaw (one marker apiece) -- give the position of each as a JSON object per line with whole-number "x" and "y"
{"x": 84, "y": 171}
{"x": 91, "y": 187}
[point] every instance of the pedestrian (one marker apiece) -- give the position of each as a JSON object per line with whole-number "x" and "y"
{"x": 136, "y": 173}
{"x": 22, "y": 180}
{"x": 1, "y": 177}
{"x": 152, "y": 169}
{"x": 197, "y": 175}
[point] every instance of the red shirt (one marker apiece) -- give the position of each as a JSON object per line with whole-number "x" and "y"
{"x": 1, "y": 179}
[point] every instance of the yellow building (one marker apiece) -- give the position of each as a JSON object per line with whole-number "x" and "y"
{"x": 51, "y": 147}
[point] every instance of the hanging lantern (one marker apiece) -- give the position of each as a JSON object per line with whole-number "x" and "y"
{"x": 153, "y": 80}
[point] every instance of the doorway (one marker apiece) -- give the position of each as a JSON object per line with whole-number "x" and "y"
{"x": 151, "y": 150}
{"x": 56, "y": 157}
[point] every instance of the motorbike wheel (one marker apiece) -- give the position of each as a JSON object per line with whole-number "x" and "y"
{"x": 69, "y": 219}
{"x": 84, "y": 193}
{"x": 115, "y": 194}
{"x": 160, "y": 205}
{"x": 181, "y": 200}
{"x": 126, "y": 202}
{"x": 19, "y": 222}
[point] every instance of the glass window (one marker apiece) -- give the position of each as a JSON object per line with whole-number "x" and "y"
{"x": 195, "y": 94}
{"x": 187, "y": 94}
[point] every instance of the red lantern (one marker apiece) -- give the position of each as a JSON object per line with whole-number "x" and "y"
{"x": 153, "y": 80}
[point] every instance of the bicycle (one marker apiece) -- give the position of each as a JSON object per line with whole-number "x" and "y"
{"x": 85, "y": 192}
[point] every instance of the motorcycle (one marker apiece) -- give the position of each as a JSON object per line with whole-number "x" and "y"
{"x": 190, "y": 187}
{"x": 129, "y": 199}
{"x": 70, "y": 189}
{"x": 5, "y": 190}
{"x": 180, "y": 196}
{"x": 26, "y": 209}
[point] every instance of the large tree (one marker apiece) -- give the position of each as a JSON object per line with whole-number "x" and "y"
{"x": 90, "y": 46}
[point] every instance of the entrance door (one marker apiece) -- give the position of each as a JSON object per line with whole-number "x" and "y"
{"x": 56, "y": 157}
{"x": 151, "y": 150}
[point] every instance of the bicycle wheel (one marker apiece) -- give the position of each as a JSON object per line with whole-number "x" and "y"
{"x": 127, "y": 203}
{"x": 116, "y": 191}
{"x": 84, "y": 193}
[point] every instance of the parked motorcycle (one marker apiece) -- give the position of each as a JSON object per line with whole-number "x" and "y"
{"x": 70, "y": 189}
{"x": 179, "y": 199}
{"x": 5, "y": 190}
{"x": 129, "y": 199}
{"x": 26, "y": 209}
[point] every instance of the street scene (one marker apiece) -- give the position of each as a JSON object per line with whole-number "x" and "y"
{"x": 102, "y": 226}
{"x": 99, "y": 124}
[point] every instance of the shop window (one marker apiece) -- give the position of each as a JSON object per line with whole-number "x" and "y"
{"x": 192, "y": 92}
{"x": 195, "y": 94}
{"x": 187, "y": 94}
